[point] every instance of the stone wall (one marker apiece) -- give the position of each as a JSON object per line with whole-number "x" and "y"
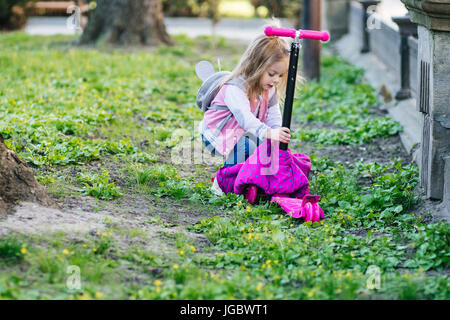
{"x": 384, "y": 39}
{"x": 385, "y": 44}
{"x": 413, "y": 45}
{"x": 335, "y": 17}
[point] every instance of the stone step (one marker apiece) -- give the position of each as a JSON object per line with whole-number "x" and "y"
{"x": 405, "y": 112}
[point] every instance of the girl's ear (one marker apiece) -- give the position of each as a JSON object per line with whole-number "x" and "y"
{"x": 204, "y": 69}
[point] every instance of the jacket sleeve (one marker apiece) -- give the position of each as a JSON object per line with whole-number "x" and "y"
{"x": 239, "y": 105}
{"x": 273, "y": 118}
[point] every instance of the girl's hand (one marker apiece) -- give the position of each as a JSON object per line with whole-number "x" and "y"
{"x": 279, "y": 134}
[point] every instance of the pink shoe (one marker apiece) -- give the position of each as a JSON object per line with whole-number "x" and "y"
{"x": 251, "y": 193}
{"x": 311, "y": 210}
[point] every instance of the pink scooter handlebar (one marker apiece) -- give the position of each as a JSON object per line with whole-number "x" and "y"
{"x": 303, "y": 34}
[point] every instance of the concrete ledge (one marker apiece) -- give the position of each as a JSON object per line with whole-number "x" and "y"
{"x": 405, "y": 113}
{"x": 446, "y": 201}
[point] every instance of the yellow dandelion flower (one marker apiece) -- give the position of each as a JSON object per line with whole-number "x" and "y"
{"x": 248, "y": 208}
{"x": 310, "y": 293}
{"x": 157, "y": 283}
{"x": 98, "y": 295}
{"x": 275, "y": 261}
{"x": 85, "y": 296}
{"x": 306, "y": 239}
{"x": 259, "y": 286}
{"x": 23, "y": 251}
{"x": 95, "y": 249}
{"x": 66, "y": 252}
{"x": 175, "y": 266}
{"x": 181, "y": 252}
{"x": 192, "y": 248}
{"x": 245, "y": 243}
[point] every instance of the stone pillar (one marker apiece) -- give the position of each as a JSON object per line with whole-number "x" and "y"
{"x": 433, "y": 19}
{"x": 366, "y": 4}
{"x": 335, "y": 17}
{"x": 406, "y": 28}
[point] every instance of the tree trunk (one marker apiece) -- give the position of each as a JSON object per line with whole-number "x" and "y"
{"x": 17, "y": 182}
{"x": 126, "y": 22}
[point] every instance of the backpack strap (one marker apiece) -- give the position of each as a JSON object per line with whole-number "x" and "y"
{"x": 209, "y": 89}
{"x": 222, "y": 124}
{"x": 217, "y": 107}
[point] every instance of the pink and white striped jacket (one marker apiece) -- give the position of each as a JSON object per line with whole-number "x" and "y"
{"x": 231, "y": 114}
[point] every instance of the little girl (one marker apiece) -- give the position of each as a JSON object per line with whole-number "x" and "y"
{"x": 246, "y": 109}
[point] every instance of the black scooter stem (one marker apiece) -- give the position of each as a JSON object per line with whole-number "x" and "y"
{"x": 290, "y": 89}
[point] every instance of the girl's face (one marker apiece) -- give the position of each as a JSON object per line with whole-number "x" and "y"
{"x": 273, "y": 74}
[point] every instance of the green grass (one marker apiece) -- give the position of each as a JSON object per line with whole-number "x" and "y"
{"x": 101, "y": 122}
{"x": 11, "y": 250}
{"x": 341, "y": 99}
{"x": 99, "y": 186}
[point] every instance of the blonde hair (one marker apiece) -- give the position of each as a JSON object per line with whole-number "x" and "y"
{"x": 263, "y": 52}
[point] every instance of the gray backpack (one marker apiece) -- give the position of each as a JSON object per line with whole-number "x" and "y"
{"x": 209, "y": 89}
{"x": 211, "y": 82}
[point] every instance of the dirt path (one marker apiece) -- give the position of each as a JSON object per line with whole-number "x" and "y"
{"x": 159, "y": 220}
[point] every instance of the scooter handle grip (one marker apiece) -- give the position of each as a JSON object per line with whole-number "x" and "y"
{"x": 303, "y": 34}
